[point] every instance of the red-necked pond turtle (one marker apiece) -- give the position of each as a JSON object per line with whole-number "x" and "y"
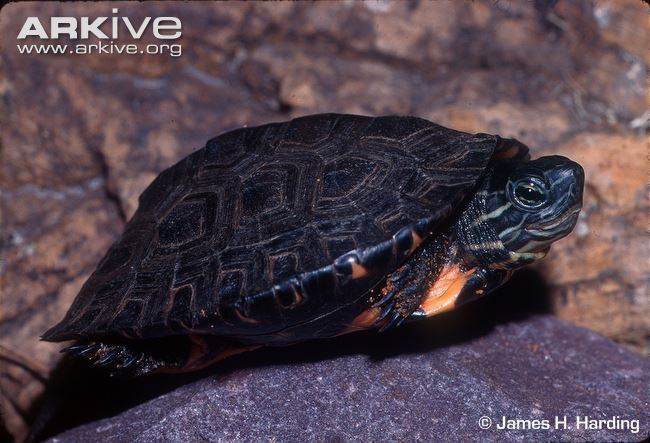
{"x": 312, "y": 228}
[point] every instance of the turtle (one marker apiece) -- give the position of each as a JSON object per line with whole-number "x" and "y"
{"x": 312, "y": 228}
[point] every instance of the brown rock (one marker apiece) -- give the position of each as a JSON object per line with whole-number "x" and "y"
{"x": 624, "y": 23}
{"x": 84, "y": 135}
{"x": 45, "y": 230}
{"x": 599, "y": 274}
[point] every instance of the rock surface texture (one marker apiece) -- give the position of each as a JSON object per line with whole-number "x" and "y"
{"x": 538, "y": 370}
{"x": 83, "y": 135}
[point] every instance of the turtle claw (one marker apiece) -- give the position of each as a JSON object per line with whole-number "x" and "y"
{"x": 130, "y": 360}
{"x": 80, "y": 350}
{"x": 390, "y": 314}
{"x": 393, "y": 309}
{"x": 100, "y": 355}
{"x": 127, "y": 359}
{"x": 383, "y": 300}
{"x": 418, "y": 314}
{"x": 74, "y": 348}
{"x": 395, "y": 320}
{"x": 108, "y": 359}
{"x": 386, "y": 310}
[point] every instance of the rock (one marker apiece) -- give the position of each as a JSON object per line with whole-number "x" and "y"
{"x": 50, "y": 227}
{"x": 598, "y": 265}
{"x": 537, "y": 369}
{"x": 84, "y": 135}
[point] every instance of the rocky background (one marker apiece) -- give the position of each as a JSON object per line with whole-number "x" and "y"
{"x": 82, "y": 136}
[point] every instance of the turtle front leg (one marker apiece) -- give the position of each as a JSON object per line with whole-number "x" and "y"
{"x": 466, "y": 286}
{"x": 433, "y": 281}
{"x": 406, "y": 287}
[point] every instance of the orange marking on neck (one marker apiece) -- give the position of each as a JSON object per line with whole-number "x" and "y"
{"x": 441, "y": 297}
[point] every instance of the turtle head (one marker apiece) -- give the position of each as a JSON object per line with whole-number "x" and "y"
{"x": 521, "y": 208}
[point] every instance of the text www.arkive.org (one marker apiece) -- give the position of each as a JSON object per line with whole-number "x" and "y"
{"x": 174, "y": 50}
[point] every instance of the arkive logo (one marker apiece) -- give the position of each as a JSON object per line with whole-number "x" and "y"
{"x": 164, "y": 28}
{"x": 105, "y": 30}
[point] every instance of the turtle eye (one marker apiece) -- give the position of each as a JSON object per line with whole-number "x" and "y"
{"x": 528, "y": 193}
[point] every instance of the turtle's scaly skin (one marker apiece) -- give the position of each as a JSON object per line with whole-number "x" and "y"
{"x": 284, "y": 232}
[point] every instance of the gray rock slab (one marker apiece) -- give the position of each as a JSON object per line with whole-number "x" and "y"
{"x": 537, "y": 369}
